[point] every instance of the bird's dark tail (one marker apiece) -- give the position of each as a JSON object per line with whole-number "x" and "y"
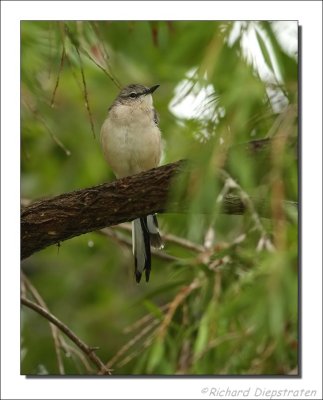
{"x": 141, "y": 248}
{"x": 144, "y": 233}
{"x": 155, "y": 238}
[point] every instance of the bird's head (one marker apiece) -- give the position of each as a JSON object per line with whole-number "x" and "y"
{"x": 136, "y": 94}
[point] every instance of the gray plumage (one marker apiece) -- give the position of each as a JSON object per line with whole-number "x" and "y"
{"x": 131, "y": 143}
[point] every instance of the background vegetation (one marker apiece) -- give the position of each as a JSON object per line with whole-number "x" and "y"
{"x": 223, "y": 295}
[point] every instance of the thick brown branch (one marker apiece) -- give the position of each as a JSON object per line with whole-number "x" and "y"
{"x": 71, "y": 214}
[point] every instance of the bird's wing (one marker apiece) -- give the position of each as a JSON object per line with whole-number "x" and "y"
{"x": 156, "y": 117}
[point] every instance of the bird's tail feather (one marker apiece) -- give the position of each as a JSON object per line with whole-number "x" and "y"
{"x": 141, "y": 248}
{"x": 144, "y": 233}
{"x": 155, "y": 238}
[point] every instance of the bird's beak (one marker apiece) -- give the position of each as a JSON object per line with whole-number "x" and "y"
{"x": 152, "y": 89}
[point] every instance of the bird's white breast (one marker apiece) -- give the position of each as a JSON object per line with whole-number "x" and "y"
{"x": 130, "y": 139}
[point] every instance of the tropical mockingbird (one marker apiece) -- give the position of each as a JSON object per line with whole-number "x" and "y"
{"x": 131, "y": 143}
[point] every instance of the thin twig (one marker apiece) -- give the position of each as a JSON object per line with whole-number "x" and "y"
{"x": 72, "y": 69}
{"x": 145, "y": 319}
{"x": 148, "y": 341}
{"x": 183, "y": 242}
{"x": 58, "y": 75}
{"x": 75, "y": 44}
{"x": 53, "y": 328}
{"x": 87, "y": 104}
{"x": 59, "y": 341}
{"x": 78, "y": 353}
{"x": 89, "y": 351}
{"x": 34, "y": 111}
{"x": 106, "y": 57}
{"x": 276, "y": 178}
{"x": 119, "y": 238}
{"x": 185, "y": 352}
{"x": 159, "y": 331}
{"x": 171, "y": 238}
{"x": 148, "y": 322}
{"x": 132, "y": 342}
{"x": 216, "y": 342}
{"x": 178, "y": 299}
{"x": 51, "y": 47}
{"x": 106, "y": 72}
{"x": 97, "y": 32}
{"x": 264, "y": 241}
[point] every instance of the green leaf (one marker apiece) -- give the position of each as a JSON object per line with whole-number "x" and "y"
{"x": 156, "y": 354}
{"x": 202, "y": 337}
{"x": 207, "y": 322}
{"x": 264, "y": 50}
{"x": 153, "y": 309}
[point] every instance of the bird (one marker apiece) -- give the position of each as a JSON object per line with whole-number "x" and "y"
{"x": 131, "y": 143}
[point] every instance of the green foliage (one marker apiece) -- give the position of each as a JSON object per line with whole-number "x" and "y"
{"x": 229, "y": 306}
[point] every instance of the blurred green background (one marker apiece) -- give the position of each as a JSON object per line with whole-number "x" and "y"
{"x": 223, "y": 295}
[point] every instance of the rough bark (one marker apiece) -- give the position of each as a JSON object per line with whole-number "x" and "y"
{"x": 71, "y": 214}
{"x": 53, "y": 220}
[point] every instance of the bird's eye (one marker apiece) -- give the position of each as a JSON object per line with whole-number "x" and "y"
{"x": 133, "y": 95}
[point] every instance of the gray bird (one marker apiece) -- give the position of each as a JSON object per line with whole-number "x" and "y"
{"x": 131, "y": 143}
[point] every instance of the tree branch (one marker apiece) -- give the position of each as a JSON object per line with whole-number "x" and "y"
{"x": 55, "y": 331}
{"x": 103, "y": 370}
{"x": 53, "y": 220}
{"x": 71, "y": 214}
